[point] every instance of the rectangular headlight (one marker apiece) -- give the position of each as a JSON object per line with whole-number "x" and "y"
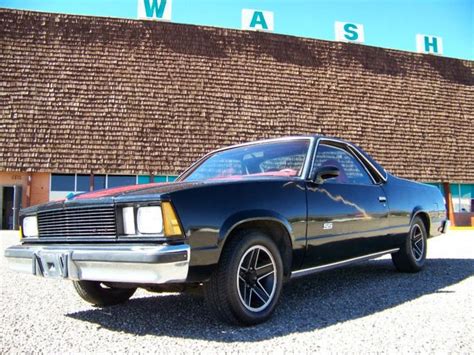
{"x": 128, "y": 220}
{"x": 30, "y": 226}
{"x": 150, "y": 220}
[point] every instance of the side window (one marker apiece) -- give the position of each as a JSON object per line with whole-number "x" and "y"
{"x": 351, "y": 170}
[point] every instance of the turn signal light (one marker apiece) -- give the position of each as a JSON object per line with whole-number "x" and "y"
{"x": 170, "y": 221}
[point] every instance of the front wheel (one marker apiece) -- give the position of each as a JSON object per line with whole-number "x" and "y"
{"x": 246, "y": 286}
{"x": 412, "y": 255}
{"x": 99, "y": 294}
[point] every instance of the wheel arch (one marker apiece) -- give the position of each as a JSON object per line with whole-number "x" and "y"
{"x": 424, "y": 216}
{"x": 273, "y": 225}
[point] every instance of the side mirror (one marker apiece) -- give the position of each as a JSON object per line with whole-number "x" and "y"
{"x": 326, "y": 172}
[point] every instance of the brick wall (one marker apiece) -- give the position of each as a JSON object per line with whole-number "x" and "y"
{"x": 88, "y": 94}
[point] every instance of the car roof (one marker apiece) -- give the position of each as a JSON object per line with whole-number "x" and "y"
{"x": 284, "y": 138}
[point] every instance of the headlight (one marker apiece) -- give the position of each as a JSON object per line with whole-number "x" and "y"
{"x": 150, "y": 220}
{"x": 30, "y": 226}
{"x": 128, "y": 220}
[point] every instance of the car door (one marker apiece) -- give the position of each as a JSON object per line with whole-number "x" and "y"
{"x": 348, "y": 214}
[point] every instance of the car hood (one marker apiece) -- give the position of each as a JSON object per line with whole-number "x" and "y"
{"x": 113, "y": 195}
{"x": 136, "y": 190}
{"x": 133, "y": 193}
{"x": 158, "y": 189}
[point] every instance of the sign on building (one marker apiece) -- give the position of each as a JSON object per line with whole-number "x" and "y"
{"x": 257, "y": 20}
{"x": 154, "y": 10}
{"x": 429, "y": 44}
{"x": 349, "y": 32}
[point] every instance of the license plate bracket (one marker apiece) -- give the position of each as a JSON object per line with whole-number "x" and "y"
{"x": 51, "y": 264}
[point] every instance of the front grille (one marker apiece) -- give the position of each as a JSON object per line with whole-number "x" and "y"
{"x": 83, "y": 222}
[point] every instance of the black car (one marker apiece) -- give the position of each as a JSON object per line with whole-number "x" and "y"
{"x": 238, "y": 223}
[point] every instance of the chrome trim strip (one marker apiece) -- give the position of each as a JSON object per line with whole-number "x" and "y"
{"x": 309, "y": 177}
{"x": 307, "y": 163}
{"x": 312, "y": 270}
{"x": 355, "y": 155}
{"x": 382, "y": 176}
{"x": 119, "y": 263}
{"x": 271, "y": 140}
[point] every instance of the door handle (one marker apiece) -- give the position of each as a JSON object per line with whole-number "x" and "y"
{"x": 382, "y": 199}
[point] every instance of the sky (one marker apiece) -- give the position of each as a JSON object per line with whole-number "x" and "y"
{"x": 387, "y": 23}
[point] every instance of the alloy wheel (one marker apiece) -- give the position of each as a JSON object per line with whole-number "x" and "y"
{"x": 256, "y": 278}
{"x": 417, "y": 242}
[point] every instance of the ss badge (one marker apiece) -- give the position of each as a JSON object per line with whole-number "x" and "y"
{"x": 327, "y": 225}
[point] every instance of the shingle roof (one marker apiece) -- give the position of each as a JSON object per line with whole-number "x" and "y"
{"x": 81, "y": 94}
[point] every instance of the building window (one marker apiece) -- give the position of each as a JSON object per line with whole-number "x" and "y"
{"x": 159, "y": 179}
{"x": 463, "y": 197}
{"x": 99, "y": 182}
{"x": 63, "y": 182}
{"x": 121, "y": 180}
{"x": 466, "y": 197}
{"x": 82, "y": 183}
{"x": 143, "y": 179}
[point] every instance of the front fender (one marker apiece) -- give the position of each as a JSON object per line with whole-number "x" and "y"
{"x": 210, "y": 212}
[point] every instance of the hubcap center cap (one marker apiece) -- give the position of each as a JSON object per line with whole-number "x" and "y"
{"x": 251, "y": 277}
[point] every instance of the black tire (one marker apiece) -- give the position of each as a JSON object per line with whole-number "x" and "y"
{"x": 243, "y": 290}
{"x": 100, "y": 295}
{"x": 412, "y": 255}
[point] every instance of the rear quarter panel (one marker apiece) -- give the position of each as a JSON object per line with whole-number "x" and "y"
{"x": 209, "y": 212}
{"x": 406, "y": 199}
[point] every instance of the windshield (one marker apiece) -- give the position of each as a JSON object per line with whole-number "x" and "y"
{"x": 280, "y": 158}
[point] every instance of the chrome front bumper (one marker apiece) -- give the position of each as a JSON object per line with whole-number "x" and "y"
{"x": 147, "y": 264}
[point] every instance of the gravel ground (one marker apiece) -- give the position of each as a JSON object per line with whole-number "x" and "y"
{"x": 367, "y": 307}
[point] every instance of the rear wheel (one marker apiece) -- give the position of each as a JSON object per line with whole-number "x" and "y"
{"x": 99, "y": 294}
{"x": 246, "y": 285}
{"x": 412, "y": 255}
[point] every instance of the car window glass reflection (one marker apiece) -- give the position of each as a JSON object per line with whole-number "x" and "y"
{"x": 285, "y": 158}
{"x": 351, "y": 170}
